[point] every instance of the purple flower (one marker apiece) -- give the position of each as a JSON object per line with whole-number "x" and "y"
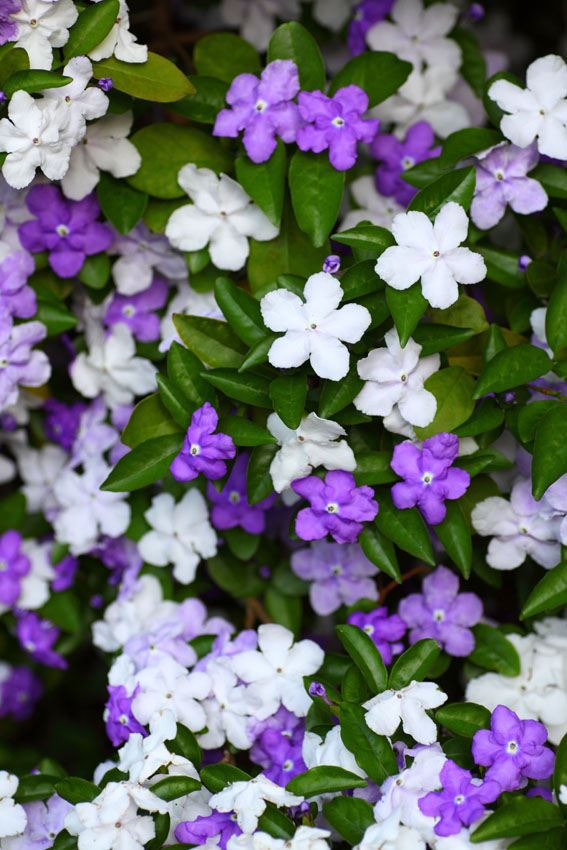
{"x": 37, "y": 637}
{"x": 19, "y": 693}
{"x": 118, "y": 717}
{"x": 332, "y": 264}
{"x": 93, "y": 435}
{"x": 18, "y": 363}
{"x": 475, "y": 12}
{"x": 513, "y": 749}
{"x": 137, "y": 311}
{"x": 501, "y": 180}
{"x": 121, "y": 556}
{"x": 442, "y": 613}
{"x": 15, "y": 297}
{"x": 339, "y": 574}
{"x": 546, "y": 793}
{"x": 14, "y": 565}
{"x": 385, "y": 630}
{"x": 338, "y": 507}
{"x": 67, "y": 229}
{"x": 203, "y": 451}
{"x": 336, "y": 123}
{"x": 106, "y": 83}
{"x": 64, "y": 573}
{"x": 523, "y": 262}
{"x": 8, "y": 27}
{"x": 230, "y": 506}
{"x": 366, "y": 14}
{"x": 45, "y": 821}
{"x": 461, "y": 802}
{"x": 62, "y": 422}
{"x": 262, "y": 108}
{"x": 278, "y": 746}
{"x": 429, "y": 477}
{"x": 199, "y": 830}
{"x": 396, "y": 157}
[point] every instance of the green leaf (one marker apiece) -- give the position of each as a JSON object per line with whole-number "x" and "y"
{"x": 435, "y": 338}
{"x": 466, "y": 312}
{"x": 324, "y": 779}
{"x": 463, "y": 143}
{"x": 494, "y": 652}
{"x": 373, "y": 753}
{"x": 502, "y": 267}
{"x": 288, "y": 394}
{"x": 148, "y": 462}
{"x": 213, "y": 341}
{"x": 413, "y": 664}
{"x": 12, "y": 511}
{"x": 243, "y": 432}
{"x": 485, "y": 460}
{"x": 365, "y": 655}
{"x": 293, "y": 41}
{"x": 379, "y": 74}
{"x": 463, "y": 718}
{"x": 34, "y": 80}
{"x": 335, "y": 395}
{"x": 530, "y": 417}
{"x": 206, "y": 101}
{"x": 424, "y": 173}
{"x": 122, "y": 205}
{"x": 242, "y": 544}
{"x": 185, "y": 744}
{"x": 65, "y": 841}
{"x": 550, "y": 592}
{"x": 76, "y": 790}
{"x": 224, "y": 55}
{"x": 184, "y": 369}
{"x": 553, "y": 179}
{"x": 148, "y": 419}
{"x": 454, "y": 534}
{"x": 249, "y": 389}
{"x": 177, "y": 404}
{"x": 406, "y": 528}
{"x": 241, "y": 310}
{"x": 485, "y": 417}
{"x": 285, "y": 610}
{"x": 521, "y": 816}
{"x": 64, "y": 611}
{"x": 368, "y": 237}
{"x": 541, "y": 277}
{"x": 553, "y": 839}
{"x": 453, "y": 388}
{"x": 456, "y": 186}
{"x": 377, "y": 306}
{"x": 374, "y": 468}
{"x": 258, "y": 479}
{"x": 380, "y": 551}
{"x": 162, "y": 826}
{"x": 215, "y": 777}
{"x": 157, "y": 79}
{"x": 550, "y": 450}
{"x": 16, "y": 59}
{"x": 53, "y": 314}
{"x": 238, "y": 579}
{"x": 350, "y": 816}
{"x": 360, "y": 279}
{"x": 158, "y": 212}
{"x": 265, "y": 182}
{"x": 172, "y": 787}
{"x": 560, "y": 770}
{"x": 165, "y": 149}
{"x": 473, "y": 67}
{"x": 556, "y": 316}
{"x": 316, "y": 194}
{"x": 511, "y": 368}
{"x": 407, "y": 306}
{"x": 36, "y": 786}
{"x": 91, "y": 27}
{"x": 258, "y": 353}
{"x": 95, "y": 271}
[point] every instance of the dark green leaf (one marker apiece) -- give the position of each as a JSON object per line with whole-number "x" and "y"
{"x": 293, "y": 41}
{"x": 413, "y": 664}
{"x": 453, "y": 388}
{"x": 205, "y": 103}
{"x": 456, "y": 186}
{"x": 373, "y": 753}
{"x": 463, "y": 718}
{"x": 324, "y": 779}
{"x": 148, "y": 462}
{"x": 172, "y": 787}
{"x": 148, "y": 419}
{"x": 560, "y": 771}
{"x": 91, "y": 27}
{"x": 242, "y": 544}
{"x": 238, "y": 579}
{"x": 550, "y": 450}
{"x": 65, "y": 841}
{"x": 175, "y": 401}
{"x": 407, "y": 306}
{"x": 122, "y": 205}
{"x": 241, "y": 310}
{"x": 54, "y": 315}
{"x": 285, "y": 610}
{"x": 249, "y": 389}
{"x": 553, "y": 839}
{"x": 224, "y": 55}
{"x": 215, "y": 777}
{"x": 258, "y": 479}
{"x": 316, "y": 194}
{"x": 365, "y": 655}
{"x": 368, "y": 237}
{"x": 265, "y": 182}
{"x": 335, "y": 395}
{"x": 454, "y": 534}
{"x": 404, "y": 528}
{"x": 95, "y": 271}
{"x": 556, "y": 316}
{"x": 463, "y": 143}
{"x": 473, "y": 68}
{"x": 162, "y": 826}
{"x": 502, "y": 267}
{"x": 64, "y": 611}
{"x": 486, "y": 416}
{"x": 377, "y": 306}
{"x": 360, "y": 279}
{"x": 16, "y": 59}
{"x": 521, "y": 816}
{"x": 258, "y": 353}
{"x": 243, "y": 432}
{"x": 157, "y": 79}
{"x": 184, "y": 369}
{"x": 530, "y": 417}
{"x": 212, "y": 341}
{"x": 553, "y": 179}
{"x": 185, "y": 744}
{"x": 36, "y": 787}
{"x": 494, "y": 652}
{"x": 424, "y": 173}
{"x": 550, "y": 592}
{"x": 434, "y": 338}
{"x": 76, "y": 790}
{"x": 288, "y": 394}
{"x": 380, "y": 551}
{"x": 511, "y": 368}
{"x": 541, "y": 277}
{"x": 34, "y": 80}
{"x": 374, "y": 468}
{"x": 12, "y": 511}
{"x": 350, "y": 816}
{"x": 379, "y": 74}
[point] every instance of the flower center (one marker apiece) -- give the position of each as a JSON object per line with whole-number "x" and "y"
{"x": 234, "y": 497}
{"x": 4, "y": 362}
{"x": 33, "y": 22}
{"x": 300, "y": 438}
{"x": 523, "y": 529}
{"x": 403, "y": 378}
{"x": 337, "y": 570}
{"x": 436, "y": 253}
{"x": 287, "y": 765}
{"x": 67, "y": 99}
{"x": 368, "y": 629}
{"x": 129, "y": 310}
{"x": 313, "y": 326}
{"x": 499, "y": 175}
{"x": 123, "y": 719}
{"x": 439, "y": 615}
{"x": 3, "y": 566}
{"x": 35, "y": 141}
{"x": 62, "y": 230}
{"x": 261, "y": 106}
{"x": 512, "y": 747}
{"x": 338, "y": 121}
{"x": 233, "y": 816}
{"x": 459, "y": 799}
{"x": 542, "y": 112}
{"x": 407, "y": 162}
{"x": 427, "y": 478}
{"x": 195, "y": 450}
{"x": 332, "y": 508}
{"x": 29, "y": 646}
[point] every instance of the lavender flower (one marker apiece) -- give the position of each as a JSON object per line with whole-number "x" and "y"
{"x": 203, "y": 451}
{"x": 16, "y": 297}
{"x": 339, "y": 574}
{"x": 262, "y": 108}
{"x": 118, "y": 717}
{"x": 429, "y": 478}
{"x": 513, "y": 749}
{"x": 138, "y": 311}
{"x": 37, "y": 637}
{"x": 19, "y": 693}
{"x": 202, "y": 828}
{"x": 335, "y": 123}
{"x": 14, "y": 565}
{"x": 230, "y": 506}
{"x": 121, "y": 556}
{"x": 8, "y": 26}
{"x": 18, "y": 363}
{"x": 523, "y": 262}
{"x": 385, "y": 630}
{"x": 442, "y": 613}
{"x": 45, "y": 819}
{"x": 62, "y": 422}
{"x": 64, "y": 571}
{"x": 366, "y": 14}
{"x": 396, "y": 157}
{"x": 338, "y": 507}
{"x": 67, "y": 229}
{"x": 278, "y": 746}
{"x": 461, "y": 802}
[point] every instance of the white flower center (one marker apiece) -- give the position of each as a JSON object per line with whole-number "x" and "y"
{"x": 29, "y": 646}
{"x": 499, "y": 174}
{"x": 195, "y": 450}
{"x": 33, "y": 22}
{"x": 62, "y": 230}
{"x": 427, "y": 478}
{"x": 512, "y": 747}
{"x": 403, "y": 377}
{"x": 407, "y": 162}
{"x": 4, "y": 362}
{"x": 338, "y": 121}
{"x": 3, "y": 566}
{"x": 459, "y": 799}
{"x": 287, "y": 765}
{"x": 128, "y": 310}
{"x": 523, "y": 529}
{"x": 439, "y": 615}
{"x": 234, "y": 497}
{"x": 300, "y": 438}
{"x": 436, "y": 254}
{"x": 337, "y": 570}
{"x": 332, "y": 508}
{"x": 261, "y": 105}
{"x": 368, "y": 629}
{"x": 123, "y": 719}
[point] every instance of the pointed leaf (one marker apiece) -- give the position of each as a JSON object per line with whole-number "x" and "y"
{"x": 407, "y": 306}
{"x": 379, "y": 74}
{"x": 316, "y": 194}
{"x": 293, "y": 41}
{"x": 453, "y": 388}
{"x": 521, "y": 816}
{"x": 258, "y": 479}
{"x": 157, "y": 79}
{"x": 288, "y": 395}
{"x": 350, "y": 816}
{"x": 454, "y": 534}
{"x": 511, "y": 368}
{"x": 413, "y": 664}
{"x": 241, "y": 310}
{"x": 214, "y": 342}
{"x": 406, "y": 528}
{"x": 380, "y": 551}
{"x": 265, "y": 182}
{"x": 249, "y": 389}
{"x": 324, "y": 779}
{"x": 494, "y": 652}
{"x": 456, "y": 186}
{"x": 373, "y": 753}
{"x": 91, "y": 27}
{"x": 463, "y": 718}
{"x": 365, "y": 655}
{"x": 148, "y": 462}
{"x": 550, "y": 592}
{"x": 550, "y": 450}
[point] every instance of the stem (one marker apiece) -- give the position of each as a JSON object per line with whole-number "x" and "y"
{"x": 393, "y": 584}
{"x": 255, "y": 611}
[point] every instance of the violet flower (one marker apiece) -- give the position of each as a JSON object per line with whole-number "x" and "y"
{"x": 203, "y": 450}
{"x": 138, "y": 311}
{"x": 332, "y": 264}
{"x": 262, "y": 108}
{"x": 16, "y": 297}
{"x": 64, "y": 573}
{"x": 461, "y": 802}
{"x": 366, "y": 14}
{"x": 67, "y": 229}
{"x": 278, "y": 746}
{"x": 37, "y": 637}
{"x": 429, "y": 477}
{"x": 118, "y": 717}
{"x": 202, "y": 828}
{"x": 14, "y": 565}
{"x": 386, "y": 630}
{"x": 335, "y": 123}
{"x": 8, "y": 26}
{"x": 18, "y": 363}
{"x": 338, "y": 507}
{"x": 19, "y": 693}
{"x": 230, "y": 506}
{"x": 396, "y": 157}
{"x": 513, "y": 749}
{"x": 442, "y": 613}
{"x": 62, "y": 422}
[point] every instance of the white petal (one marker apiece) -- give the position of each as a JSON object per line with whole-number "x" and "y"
{"x": 190, "y": 229}
{"x": 282, "y": 310}
{"x": 401, "y": 267}
{"x": 465, "y": 265}
{"x": 451, "y": 226}
{"x": 439, "y": 287}
{"x": 228, "y": 248}
{"x": 290, "y": 350}
{"x": 329, "y": 357}
{"x": 413, "y": 230}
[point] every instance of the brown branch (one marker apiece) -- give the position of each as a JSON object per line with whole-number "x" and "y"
{"x": 393, "y": 584}
{"x": 255, "y": 611}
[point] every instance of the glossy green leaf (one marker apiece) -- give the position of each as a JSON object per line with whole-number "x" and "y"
{"x": 185, "y": 744}
{"x": 378, "y": 307}
{"x": 184, "y": 368}
{"x": 455, "y": 536}
{"x": 258, "y": 479}
{"x": 553, "y": 179}
{"x": 206, "y": 101}
{"x": 350, "y": 816}
{"x": 453, "y": 388}
{"x": 368, "y": 237}
{"x": 466, "y": 312}
{"x": 224, "y": 55}
{"x": 148, "y": 462}
{"x": 511, "y": 368}
{"x": 359, "y": 280}
{"x": 413, "y": 664}
{"x": 35, "y": 786}
{"x": 242, "y": 544}
{"x": 316, "y": 194}
{"x": 53, "y": 314}
{"x": 365, "y": 655}
{"x": 249, "y": 389}
{"x": 373, "y": 753}
{"x": 424, "y": 173}
{"x": 502, "y": 267}
{"x": 76, "y": 790}
{"x": 149, "y": 419}
{"x": 16, "y": 59}
{"x": 379, "y": 74}
{"x": 162, "y": 826}
{"x": 265, "y": 181}
{"x": 122, "y": 205}
{"x": 457, "y": 186}
{"x": 335, "y": 395}
{"x": 463, "y": 143}
{"x": 285, "y": 610}
{"x": 243, "y": 432}
{"x": 560, "y": 772}
{"x": 485, "y": 417}
{"x": 241, "y": 310}
{"x": 380, "y": 551}
{"x": 178, "y": 405}
{"x": 65, "y": 841}
{"x": 324, "y": 779}
{"x": 521, "y": 816}
{"x": 95, "y": 272}
{"x": 157, "y": 79}
{"x": 494, "y": 652}
{"x": 12, "y": 511}
{"x": 553, "y": 839}
{"x": 406, "y": 528}
{"x": 91, "y": 27}
{"x": 541, "y": 277}
{"x": 215, "y": 777}
{"x": 550, "y": 592}
{"x": 63, "y": 609}
{"x": 293, "y": 41}
{"x": 212, "y": 341}
{"x": 374, "y": 468}
{"x": 258, "y": 353}
{"x": 230, "y": 574}
{"x": 172, "y": 787}
{"x": 473, "y": 67}
{"x": 556, "y": 316}
{"x": 530, "y": 417}
{"x": 434, "y": 338}
{"x": 34, "y": 80}
{"x": 463, "y": 718}
{"x": 288, "y": 394}
{"x": 550, "y": 450}
{"x": 407, "y": 306}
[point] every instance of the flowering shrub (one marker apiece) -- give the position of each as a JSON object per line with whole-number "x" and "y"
{"x": 283, "y": 362}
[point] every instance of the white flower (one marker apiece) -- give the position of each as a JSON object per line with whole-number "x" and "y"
{"x": 190, "y": 303}
{"x": 141, "y": 253}
{"x": 431, "y": 252}
{"x": 315, "y": 329}
{"x": 373, "y": 206}
{"x": 248, "y": 800}
{"x": 86, "y": 511}
{"x": 563, "y": 794}
{"x": 540, "y": 110}
{"x": 132, "y": 615}
{"x": 39, "y": 470}
{"x": 43, "y": 24}
{"x": 394, "y": 381}
{"x": 256, "y": 19}
{"x": 13, "y": 818}
{"x": 228, "y": 710}
{"x": 104, "y": 147}
{"x": 305, "y": 838}
{"x": 390, "y": 834}
{"x": 277, "y": 670}
{"x": 35, "y": 586}
{"x": 309, "y": 838}
{"x": 418, "y": 35}
{"x": 141, "y": 757}
{"x": 170, "y": 687}
{"x": 110, "y": 366}
{"x": 221, "y": 216}
{"x": 330, "y": 751}
{"x": 408, "y": 706}
{"x": 314, "y": 443}
{"x": 79, "y": 103}
{"x": 120, "y": 41}
{"x": 332, "y": 14}
{"x": 181, "y": 535}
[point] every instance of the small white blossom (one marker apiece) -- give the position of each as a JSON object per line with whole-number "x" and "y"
{"x": 79, "y": 103}
{"x": 563, "y": 794}
{"x": 132, "y": 615}
{"x": 13, "y": 818}
{"x": 372, "y": 206}
{"x": 43, "y": 24}
{"x": 170, "y": 687}
{"x": 141, "y": 254}
{"x": 35, "y": 585}
{"x": 391, "y": 834}
{"x": 256, "y": 19}
{"x": 228, "y": 710}
{"x": 39, "y": 469}
{"x": 189, "y": 303}
{"x": 120, "y": 42}
{"x": 317, "y": 751}
{"x": 248, "y": 800}
{"x": 385, "y": 712}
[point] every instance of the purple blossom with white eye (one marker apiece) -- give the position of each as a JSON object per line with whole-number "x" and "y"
{"x": 501, "y": 180}
{"x": 429, "y": 477}
{"x": 118, "y": 717}
{"x": 365, "y": 15}
{"x": 138, "y": 311}
{"x": 395, "y": 157}
{"x": 338, "y": 507}
{"x": 19, "y": 693}
{"x": 513, "y": 749}
{"x": 14, "y": 565}
{"x": 339, "y": 574}
{"x": 67, "y": 229}
{"x": 263, "y": 108}
{"x": 18, "y": 363}
{"x": 45, "y": 820}
{"x": 16, "y": 297}
{"x": 460, "y": 802}
{"x": 203, "y": 450}
{"x": 36, "y": 637}
{"x": 336, "y": 123}
{"x": 202, "y": 828}
{"x": 62, "y": 422}
{"x": 386, "y": 630}
{"x": 230, "y": 506}
{"x": 64, "y": 571}
{"x": 442, "y": 613}
{"x": 278, "y": 746}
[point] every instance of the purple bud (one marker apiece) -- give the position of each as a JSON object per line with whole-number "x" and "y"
{"x": 475, "y": 12}
{"x": 265, "y": 572}
{"x": 332, "y": 264}
{"x": 524, "y": 262}
{"x": 105, "y": 83}
{"x": 3, "y": 96}
{"x": 317, "y": 689}
{"x": 508, "y": 396}
{"x": 96, "y": 601}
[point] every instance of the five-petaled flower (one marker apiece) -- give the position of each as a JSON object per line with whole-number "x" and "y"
{"x": 338, "y": 507}
{"x": 203, "y": 450}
